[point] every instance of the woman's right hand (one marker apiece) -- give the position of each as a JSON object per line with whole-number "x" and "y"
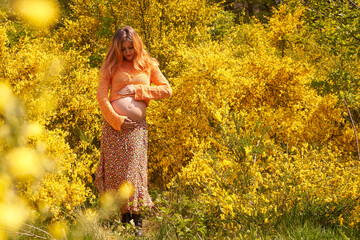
{"x": 128, "y": 124}
{"x": 127, "y": 90}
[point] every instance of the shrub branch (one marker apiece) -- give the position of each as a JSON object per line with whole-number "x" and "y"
{"x": 354, "y": 127}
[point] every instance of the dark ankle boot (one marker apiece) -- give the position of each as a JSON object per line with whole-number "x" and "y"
{"x": 138, "y": 224}
{"x": 125, "y": 218}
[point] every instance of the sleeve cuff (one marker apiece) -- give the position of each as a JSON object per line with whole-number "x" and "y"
{"x": 138, "y": 92}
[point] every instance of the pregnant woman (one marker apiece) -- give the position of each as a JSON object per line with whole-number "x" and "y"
{"x": 128, "y": 72}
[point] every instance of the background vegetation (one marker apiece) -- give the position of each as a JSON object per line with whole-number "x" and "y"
{"x": 258, "y": 141}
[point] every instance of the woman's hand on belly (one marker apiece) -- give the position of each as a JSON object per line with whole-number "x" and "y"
{"x": 128, "y": 124}
{"x": 128, "y": 106}
{"x": 127, "y": 90}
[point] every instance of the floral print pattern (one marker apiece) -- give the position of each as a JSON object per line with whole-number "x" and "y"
{"x": 124, "y": 159}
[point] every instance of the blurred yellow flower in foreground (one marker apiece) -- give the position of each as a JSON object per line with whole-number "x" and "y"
{"x": 110, "y": 199}
{"x": 40, "y": 13}
{"x": 58, "y": 230}
{"x": 107, "y": 200}
{"x": 126, "y": 190}
{"x": 13, "y": 215}
{"x": 6, "y": 96}
{"x": 24, "y": 162}
{"x": 34, "y": 129}
{"x": 5, "y": 183}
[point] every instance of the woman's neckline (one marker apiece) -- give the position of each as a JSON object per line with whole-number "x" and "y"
{"x": 129, "y": 63}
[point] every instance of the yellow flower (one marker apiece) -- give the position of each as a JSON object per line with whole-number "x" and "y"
{"x": 34, "y": 129}
{"x": 58, "y": 230}
{"x": 40, "y": 13}
{"x": 341, "y": 220}
{"x": 6, "y": 96}
{"x": 107, "y": 200}
{"x": 126, "y": 190}
{"x": 13, "y": 215}
{"x": 24, "y": 162}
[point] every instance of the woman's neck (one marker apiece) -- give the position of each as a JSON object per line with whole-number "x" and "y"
{"x": 126, "y": 63}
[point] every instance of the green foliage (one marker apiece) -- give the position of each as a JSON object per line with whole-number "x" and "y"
{"x": 222, "y": 26}
{"x": 337, "y": 25}
{"x": 180, "y": 217}
{"x": 245, "y": 10}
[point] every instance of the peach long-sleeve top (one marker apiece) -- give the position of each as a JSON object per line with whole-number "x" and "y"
{"x": 126, "y": 74}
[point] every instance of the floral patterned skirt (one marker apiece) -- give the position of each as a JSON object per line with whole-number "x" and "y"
{"x": 124, "y": 160}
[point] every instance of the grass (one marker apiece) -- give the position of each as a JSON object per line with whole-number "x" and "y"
{"x": 178, "y": 216}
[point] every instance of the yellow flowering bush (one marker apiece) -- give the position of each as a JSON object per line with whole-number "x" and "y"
{"x": 48, "y": 81}
{"x": 55, "y": 74}
{"x": 249, "y": 136}
{"x": 256, "y": 128}
{"x": 19, "y": 162}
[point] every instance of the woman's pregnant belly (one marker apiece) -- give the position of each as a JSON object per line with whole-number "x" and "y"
{"x": 128, "y": 106}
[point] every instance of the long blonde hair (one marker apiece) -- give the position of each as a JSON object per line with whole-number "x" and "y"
{"x": 114, "y": 57}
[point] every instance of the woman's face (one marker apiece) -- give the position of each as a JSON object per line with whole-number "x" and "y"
{"x": 127, "y": 50}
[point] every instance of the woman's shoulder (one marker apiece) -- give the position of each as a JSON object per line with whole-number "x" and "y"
{"x": 153, "y": 63}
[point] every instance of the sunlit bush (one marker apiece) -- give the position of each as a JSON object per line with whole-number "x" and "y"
{"x": 249, "y": 136}
{"x": 48, "y": 82}
{"x": 256, "y": 126}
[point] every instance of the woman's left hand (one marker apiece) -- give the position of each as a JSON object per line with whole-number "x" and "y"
{"x": 127, "y": 90}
